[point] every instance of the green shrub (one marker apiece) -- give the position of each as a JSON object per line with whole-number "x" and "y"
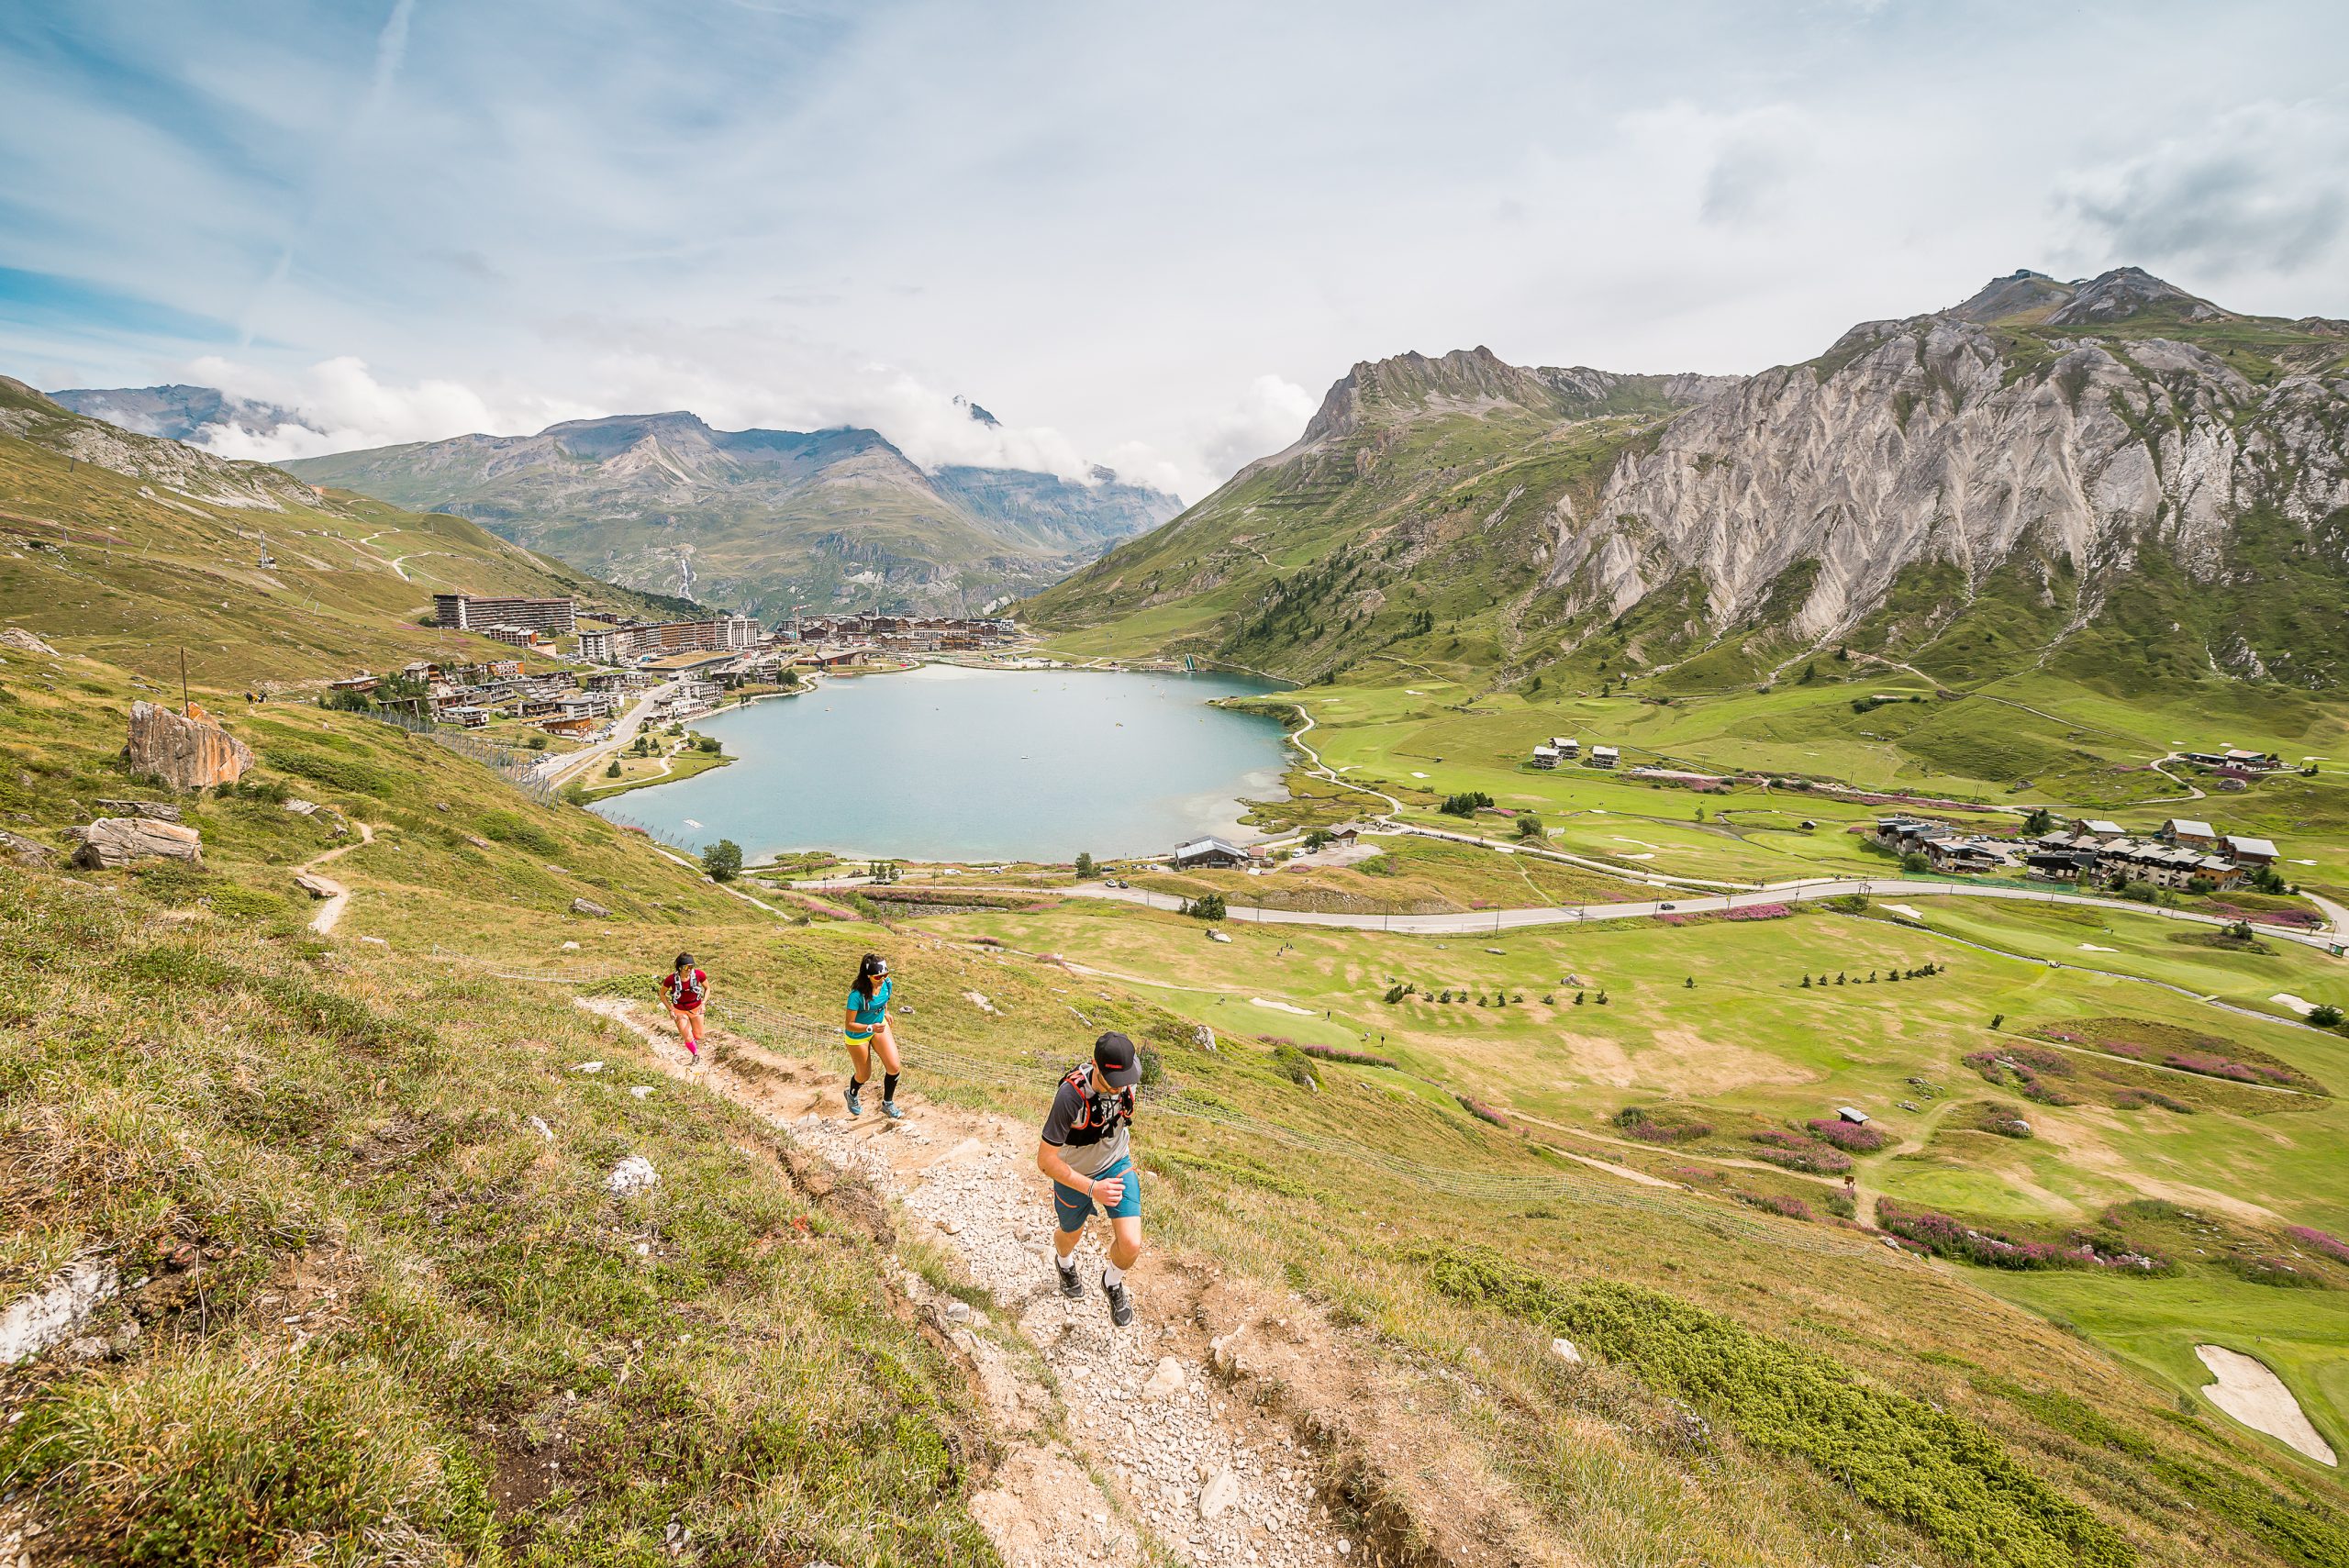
{"x": 513, "y": 828}
{"x": 347, "y": 773}
{"x": 722, "y": 860}
{"x": 1941, "y": 1474}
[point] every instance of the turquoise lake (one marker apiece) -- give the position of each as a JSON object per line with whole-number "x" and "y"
{"x": 945, "y": 764}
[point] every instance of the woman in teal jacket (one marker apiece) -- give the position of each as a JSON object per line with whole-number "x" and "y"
{"x": 866, "y": 1026}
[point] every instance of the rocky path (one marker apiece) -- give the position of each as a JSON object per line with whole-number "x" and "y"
{"x": 1229, "y": 1425}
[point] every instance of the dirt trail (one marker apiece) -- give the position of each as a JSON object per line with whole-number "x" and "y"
{"x": 336, "y": 896}
{"x": 1230, "y": 1424}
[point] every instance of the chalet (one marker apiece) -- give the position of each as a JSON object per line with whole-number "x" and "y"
{"x": 1604, "y": 757}
{"x": 2096, "y": 827}
{"x": 1566, "y": 745}
{"x": 1345, "y": 834}
{"x": 1968, "y": 857}
{"x": 1207, "y": 852}
{"x": 2250, "y": 852}
{"x": 362, "y": 682}
{"x": 2146, "y": 860}
{"x": 2058, "y": 864}
{"x": 2183, "y": 830}
{"x": 467, "y": 715}
{"x": 575, "y": 727}
{"x": 1545, "y": 756}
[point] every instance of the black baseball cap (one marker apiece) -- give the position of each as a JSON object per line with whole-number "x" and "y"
{"x": 1114, "y": 1054}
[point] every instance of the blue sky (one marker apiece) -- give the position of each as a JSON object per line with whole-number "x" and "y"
{"x": 1149, "y": 236}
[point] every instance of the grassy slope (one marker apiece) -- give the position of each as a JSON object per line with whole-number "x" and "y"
{"x": 355, "y": 1149}
{"x": 143, "y": 574}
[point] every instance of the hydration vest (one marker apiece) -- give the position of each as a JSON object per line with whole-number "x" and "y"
{"x": 1086, "y": 1131}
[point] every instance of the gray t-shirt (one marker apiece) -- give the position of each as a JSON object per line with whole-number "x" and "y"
{"x": 1088, "y": 1129}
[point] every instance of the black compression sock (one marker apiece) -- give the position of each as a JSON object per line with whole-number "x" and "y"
{"x": 890, "y": 1086}
{"x": 854, "y": 1082}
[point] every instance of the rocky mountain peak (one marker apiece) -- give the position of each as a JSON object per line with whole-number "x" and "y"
{"x": 2128, "y": 292}
{"x": 2021, "y": 293}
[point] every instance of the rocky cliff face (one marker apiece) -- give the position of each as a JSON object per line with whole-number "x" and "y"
{"x": 1964, "y": 439}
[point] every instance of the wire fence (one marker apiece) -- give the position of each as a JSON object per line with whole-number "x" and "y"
{"x": 794, "y": 1032}
{"x": 650, "y": 830}
{"x": 517, "y": 767}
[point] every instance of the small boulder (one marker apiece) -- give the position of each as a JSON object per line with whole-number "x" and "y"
{"x": 301, "y": 808}
{"x": 23, "y": 641}
{"x": 1166, "y": 1381}
{"x": 112, "y": 841}
{"x": 318, "y": 886}
{"x": 25, "y": 852}
{"x": 583, "y": 906}
{"x": 632, "y": 1175}
{"x": 153, "y": 810}
{"x": 1564, "y": 1351}
{"x": 1217, "y": 1496}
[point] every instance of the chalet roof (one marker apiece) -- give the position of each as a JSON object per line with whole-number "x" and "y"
{"x": 2243, "y": 846}
{"x": 2187, "y": 828}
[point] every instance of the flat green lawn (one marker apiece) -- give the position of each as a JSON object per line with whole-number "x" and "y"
{"x": 2303, "y": 1335}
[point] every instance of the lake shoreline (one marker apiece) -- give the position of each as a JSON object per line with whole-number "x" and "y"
{"x": 1121, "y": 767}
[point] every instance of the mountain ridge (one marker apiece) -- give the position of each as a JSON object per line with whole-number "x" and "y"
{"x": 757, "y": 520}
{"x": 2088, "y": 440}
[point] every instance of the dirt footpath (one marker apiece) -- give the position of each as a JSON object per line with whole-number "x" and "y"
{"x": 1229, "y": 1425}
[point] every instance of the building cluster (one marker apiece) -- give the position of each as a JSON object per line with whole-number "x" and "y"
{"x": 1565, "y": 749}
{"x": 2181, "y": 854}
{"x": 469, "y": 695}
{"x": 625, "y": 642}
{"x": 904, "y": 634}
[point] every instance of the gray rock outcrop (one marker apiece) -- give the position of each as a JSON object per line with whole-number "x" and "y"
{"x": 188, "y": 752}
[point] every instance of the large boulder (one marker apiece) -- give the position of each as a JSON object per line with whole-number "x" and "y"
{"x": 23, "y": 641}
{"x": 25, "y": 852}
{"x": 113, "y": 841}
{"x": 187, "y": 751}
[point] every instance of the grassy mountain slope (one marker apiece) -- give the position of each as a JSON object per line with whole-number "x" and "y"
{"x": 412, "y": 1300}
{"x": 1414, "y": 514}
{"x": 757, "y": 520}
{"x": 133, "y": 548}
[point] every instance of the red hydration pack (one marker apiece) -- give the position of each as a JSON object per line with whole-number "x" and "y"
{"x": 1081, "y": 1080}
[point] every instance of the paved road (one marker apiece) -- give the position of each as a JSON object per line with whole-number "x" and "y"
{"x": 554, "y": 770}
{"x": 1472, "y": 922}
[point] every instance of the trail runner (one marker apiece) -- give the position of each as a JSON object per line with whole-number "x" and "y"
{"x": 1085, "y": 1151}
{"x": 865, "y": 1027}
{"x": 684, "y": 989}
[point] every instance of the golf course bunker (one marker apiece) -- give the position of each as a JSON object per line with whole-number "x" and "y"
{"x": 2246, "y": 1390}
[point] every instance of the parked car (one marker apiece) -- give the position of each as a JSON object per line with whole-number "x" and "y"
{"x": 1662, "y": 907}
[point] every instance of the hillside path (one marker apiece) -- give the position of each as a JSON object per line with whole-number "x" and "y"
{"x": 337, "y": 896}
{"x": 1218, "y": 1429}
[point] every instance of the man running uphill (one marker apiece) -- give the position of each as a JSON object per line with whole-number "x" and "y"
{"x": 1088, "y": 1155}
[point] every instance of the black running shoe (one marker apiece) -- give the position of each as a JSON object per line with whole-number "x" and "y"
{"x": 1122, "y": 1305}
{"x": 1071, "y": 1286}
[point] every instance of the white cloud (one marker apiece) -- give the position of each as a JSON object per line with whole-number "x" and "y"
{"x": 2261, "y": 188}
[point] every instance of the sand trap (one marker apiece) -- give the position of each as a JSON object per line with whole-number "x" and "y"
{"x": 1905, "y": 912}
{"x": 1283, "y": 1007}
{"x": 2246, "y": 1390}
{"x": 1418, "y": 775}
{"x": 2091, "y": 947}
{"x": 2299, "y": 1004}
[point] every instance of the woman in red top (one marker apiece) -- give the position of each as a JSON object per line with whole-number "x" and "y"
{"x": 686, "y": 988}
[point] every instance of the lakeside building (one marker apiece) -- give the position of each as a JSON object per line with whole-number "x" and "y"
{"x": 1209, "y": 852}
{"x": 470, "y": 612}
